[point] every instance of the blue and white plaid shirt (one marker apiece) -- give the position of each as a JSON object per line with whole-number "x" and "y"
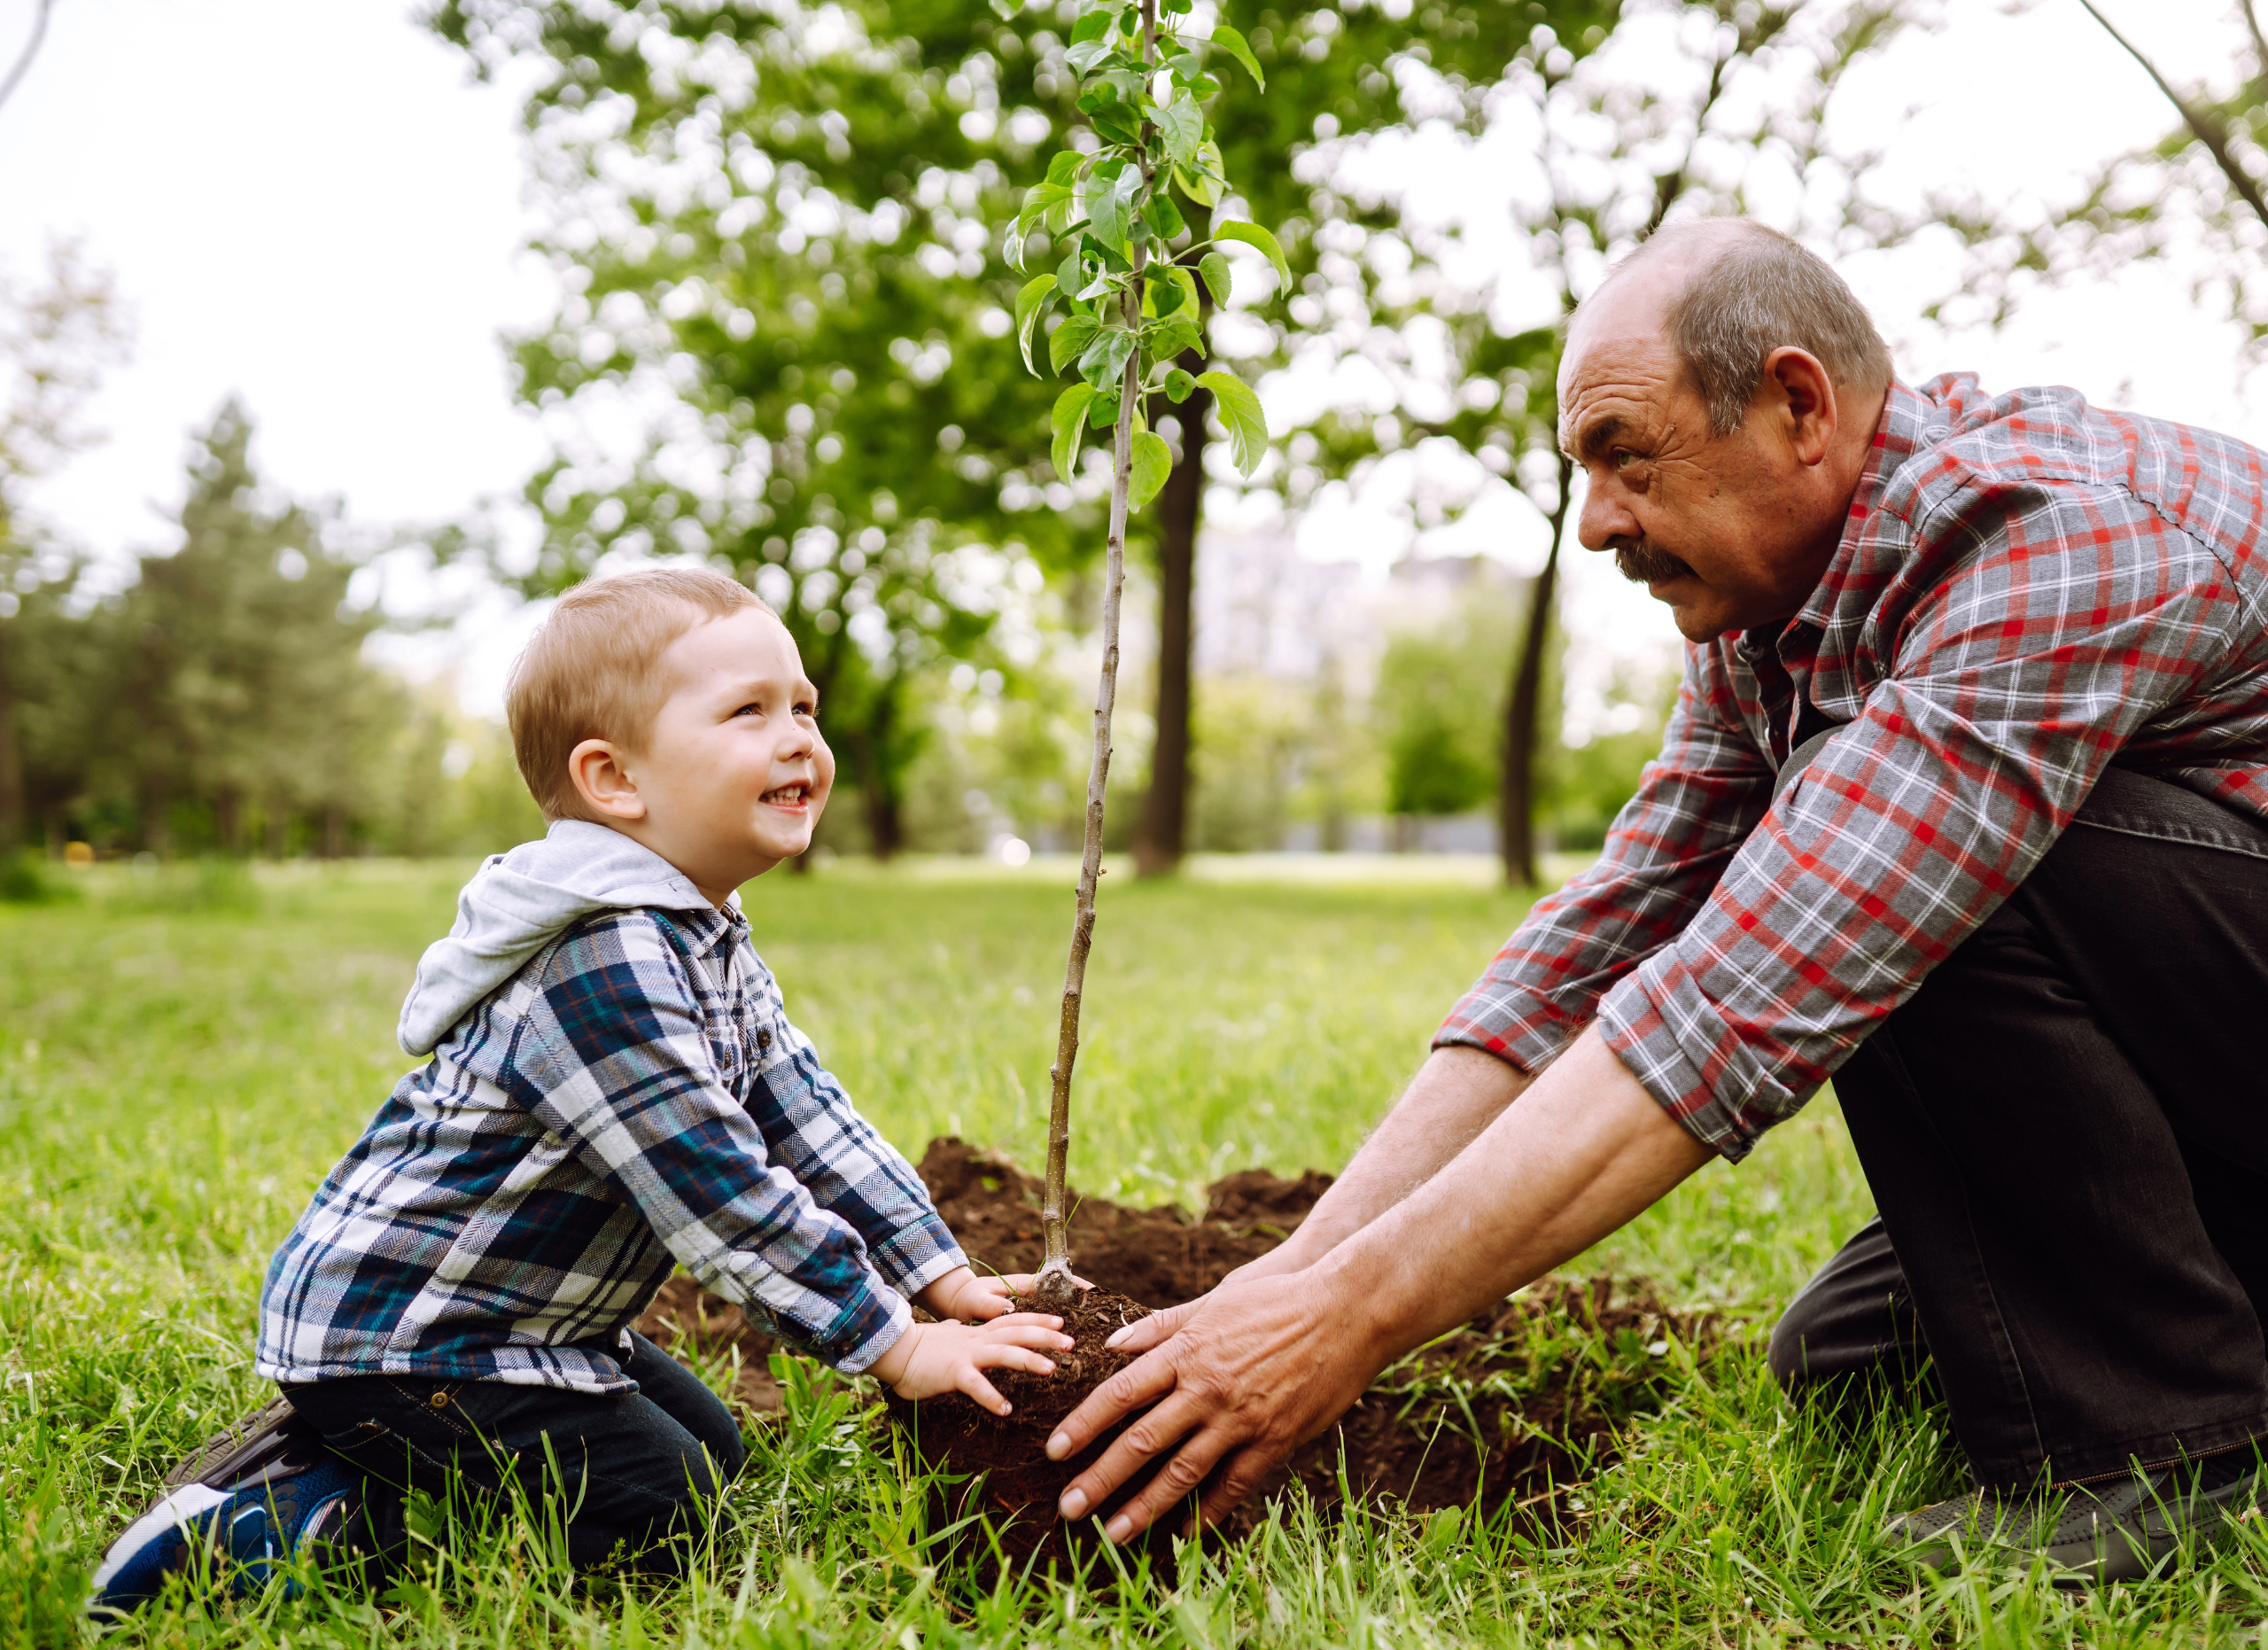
{"x": 632, "y": 1097}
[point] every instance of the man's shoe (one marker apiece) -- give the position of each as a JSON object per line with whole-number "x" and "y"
{"x": 262, "y": 1491}
{"x": 2127, "y": 1529}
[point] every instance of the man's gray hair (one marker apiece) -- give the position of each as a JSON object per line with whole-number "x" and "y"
{"x": 1755, "y": 291}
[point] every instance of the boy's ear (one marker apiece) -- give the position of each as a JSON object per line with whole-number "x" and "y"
{"x": 603, "y": 782}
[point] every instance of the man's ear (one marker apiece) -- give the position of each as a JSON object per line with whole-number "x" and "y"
{"x": 1807, "y": 395}
{"x": 602, "y": 782}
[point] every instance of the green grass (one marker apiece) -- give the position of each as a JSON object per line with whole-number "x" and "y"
{"x": 182, "y": 1056}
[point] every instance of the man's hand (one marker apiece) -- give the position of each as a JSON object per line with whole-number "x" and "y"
{"x": 933, "y": 1357}
{"x": 1252, "y": 1371}
{"x": 1265, "y": 1363}
{"x": 961, "y": 1294}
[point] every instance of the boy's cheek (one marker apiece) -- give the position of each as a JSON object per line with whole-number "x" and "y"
{"x": 823, "y": 765}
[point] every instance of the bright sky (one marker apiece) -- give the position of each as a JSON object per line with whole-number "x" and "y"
{"x": 311, "y": 206}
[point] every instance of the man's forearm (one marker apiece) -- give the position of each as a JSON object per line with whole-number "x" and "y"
{"x": 1585, "y": 1150}
{"x": 1457, "y": 1094}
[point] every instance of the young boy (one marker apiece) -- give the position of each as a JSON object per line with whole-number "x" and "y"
{"x": 614, "y": 1090}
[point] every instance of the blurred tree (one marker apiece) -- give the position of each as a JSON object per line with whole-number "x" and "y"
{"x": 1435, "y": 707}
{"x": 244, "y": 688}
{"x": 769, "y": 219}
{"x": 55, "y": 340}
{"x": 1643, "y": 113}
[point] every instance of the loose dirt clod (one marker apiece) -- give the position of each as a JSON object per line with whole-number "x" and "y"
{"x": 1521, "y": 1405}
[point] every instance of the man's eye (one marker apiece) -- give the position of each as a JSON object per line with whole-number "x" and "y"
{"x": 1622, "y": 458}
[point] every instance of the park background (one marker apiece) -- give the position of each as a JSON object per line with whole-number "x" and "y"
{"x": 325, "y": 360}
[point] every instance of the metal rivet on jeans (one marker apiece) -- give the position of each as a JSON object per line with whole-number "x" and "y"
{"x": 440, "y": 1400}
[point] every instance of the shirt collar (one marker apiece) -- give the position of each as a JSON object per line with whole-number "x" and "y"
{"x": 1897, "y": 437}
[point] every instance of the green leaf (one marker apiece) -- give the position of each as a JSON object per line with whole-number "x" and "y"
{"x": 1103, "y": 413}
{"x": 1152, "y": 463}
{"x": 1038, "y": 200}
{"x": 1031, "y": 303}
{"x": 1167, "y": 339}
{"x": 1206, "y": 192}
{"x": 1115, "y": 122}
{"x": 1069, "y": 341}
{"x": 1164, "y": 295}
{"x": 1069, "y": 419}
{"x": 1187, "y": 282}
{"x": 1252, "y": 235}
{"x": 1063, "y": 170}
{"x": 1109, "y": 203}
{"x": 1215, "y": 268}
{"x": 1104, "y": 361}
{"x": 1182, "y": 124}
{"x": 1163, "y": 217}
{"x": 1087, "y": 53}
{"x": 1178, "y": 384}
{"x": 1233, "y": 43}
{"x": 1239, "y": 410}
{"x": 1096, "y": 24}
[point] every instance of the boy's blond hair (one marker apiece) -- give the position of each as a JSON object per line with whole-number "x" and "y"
{"x": 591, "y": 670}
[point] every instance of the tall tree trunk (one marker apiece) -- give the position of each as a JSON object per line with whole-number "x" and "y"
{"x": 1162, "y": 836}
{"x": 877, "y": 785}
{"x": 1523, "y": 706}
{"x": 229, "y": 818}
{"x": 12, "y": 758}
{"x": 157, "y": 820}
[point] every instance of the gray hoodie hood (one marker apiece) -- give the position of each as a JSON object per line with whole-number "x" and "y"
{"x": 519, "y": 902}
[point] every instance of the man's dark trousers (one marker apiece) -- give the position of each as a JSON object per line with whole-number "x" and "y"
{"x": 632, "y": 1468}
{"x": 2066, "y": 1133}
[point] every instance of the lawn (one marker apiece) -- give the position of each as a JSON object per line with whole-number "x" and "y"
{"x": 183, "y": 1054}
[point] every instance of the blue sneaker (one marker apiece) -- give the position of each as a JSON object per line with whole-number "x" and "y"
{"x": 233, "y": 1515}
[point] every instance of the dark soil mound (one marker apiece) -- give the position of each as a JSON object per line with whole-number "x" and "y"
{"x": 1519, "y": 1406}
{"x": 1159, "y": 1257}
{"x": 1019, "y": 1485}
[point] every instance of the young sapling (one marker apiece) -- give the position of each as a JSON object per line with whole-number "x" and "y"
{"x": 1128, "y": 285}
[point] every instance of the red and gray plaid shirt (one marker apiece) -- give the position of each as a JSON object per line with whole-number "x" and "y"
{"x": 2029, "y": 588}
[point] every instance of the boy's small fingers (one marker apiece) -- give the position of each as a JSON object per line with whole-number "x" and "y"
{"x": 983, "y": 1391}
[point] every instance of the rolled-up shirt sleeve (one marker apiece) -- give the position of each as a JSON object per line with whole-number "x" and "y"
{"x": 1667, "y": 848}
{"x": 2068, "y": 619}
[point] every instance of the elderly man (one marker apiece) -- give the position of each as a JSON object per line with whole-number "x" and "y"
{"x": 1962, "y": 803}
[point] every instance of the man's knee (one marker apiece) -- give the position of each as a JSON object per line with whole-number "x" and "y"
{"x": 1852, "y": 1328}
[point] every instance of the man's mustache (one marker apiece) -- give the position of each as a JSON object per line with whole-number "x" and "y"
{"x": 1641, "y": 563}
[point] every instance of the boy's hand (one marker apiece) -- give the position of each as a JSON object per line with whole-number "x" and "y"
{"x": 933, "y": 1357}
{"x": 961, "y": 1294}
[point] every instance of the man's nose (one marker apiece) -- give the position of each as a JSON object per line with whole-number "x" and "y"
{"x": 1604, "y": 521}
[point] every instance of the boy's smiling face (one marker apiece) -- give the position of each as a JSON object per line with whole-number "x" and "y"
{"x": 733, "y": 774}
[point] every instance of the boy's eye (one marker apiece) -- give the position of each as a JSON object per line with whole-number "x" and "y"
{"x": 750, "y": 710}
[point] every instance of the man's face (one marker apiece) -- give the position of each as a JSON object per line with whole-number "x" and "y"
{"x": 733, "y": 773}
{"x": 1722, "y": 528}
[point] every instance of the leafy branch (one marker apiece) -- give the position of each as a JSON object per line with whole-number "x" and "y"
{"x": 1128, "y": 294}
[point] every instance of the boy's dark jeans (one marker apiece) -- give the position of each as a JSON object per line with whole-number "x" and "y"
{"x": 2066, "y": 1133}
{"x": 634, "y": 1468}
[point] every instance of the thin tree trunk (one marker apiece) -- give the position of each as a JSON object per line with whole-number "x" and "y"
{"x": 1523, "y": 707}
{"x": 1163, "y": 837}
{"x": 1055, "y": 1280}
{"x": 334, "y": 833}
{"x": 12, "y": 758}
